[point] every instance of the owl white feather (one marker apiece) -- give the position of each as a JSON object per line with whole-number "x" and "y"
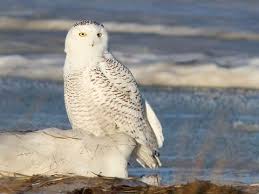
{"x": 102, "y": 96}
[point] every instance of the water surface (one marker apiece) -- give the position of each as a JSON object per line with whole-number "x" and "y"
{"x": 209, "y": 134}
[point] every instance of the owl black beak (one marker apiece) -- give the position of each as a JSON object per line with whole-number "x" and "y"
{"x": 93, "y": 44}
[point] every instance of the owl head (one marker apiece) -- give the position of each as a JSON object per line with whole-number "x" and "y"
{"x": 86, "y": 37}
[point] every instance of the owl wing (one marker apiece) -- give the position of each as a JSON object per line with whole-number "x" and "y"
{"x": 150, "y": 114}
{"x": 116, "y": 94}
{"x": 155, "y": 124}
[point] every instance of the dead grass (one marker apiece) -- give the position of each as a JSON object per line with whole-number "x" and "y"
{"x": 83, "y": 185}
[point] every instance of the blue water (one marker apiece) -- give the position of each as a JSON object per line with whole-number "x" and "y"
{"x": 233, "y": 15}
{"x": 201, "y": 138}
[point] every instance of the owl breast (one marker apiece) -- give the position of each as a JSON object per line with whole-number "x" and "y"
{"x": 82, "y": 112}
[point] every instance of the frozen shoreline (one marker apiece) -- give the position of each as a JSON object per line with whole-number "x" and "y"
{"x": 9, "y": 23}
{"x": 150, "y": 70}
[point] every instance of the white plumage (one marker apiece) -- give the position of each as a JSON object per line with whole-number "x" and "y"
{"x": 102, "y": 96}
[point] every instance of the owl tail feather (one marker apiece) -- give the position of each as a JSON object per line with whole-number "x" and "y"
{"x": 146, "y": 157}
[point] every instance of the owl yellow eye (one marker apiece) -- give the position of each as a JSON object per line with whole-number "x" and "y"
{"x": 82, "y": 34}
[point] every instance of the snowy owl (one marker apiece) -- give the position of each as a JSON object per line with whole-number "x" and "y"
{"x": 102, "y": 96}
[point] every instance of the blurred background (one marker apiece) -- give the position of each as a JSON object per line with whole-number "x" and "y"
{"x": 197, "y": 62}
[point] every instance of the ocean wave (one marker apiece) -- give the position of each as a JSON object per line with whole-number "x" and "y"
{"x": 47, "y": 67}
{"x": 7, "y": 23}
{"x": 150, "y": 69}
{"x": 247, "y": 127}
